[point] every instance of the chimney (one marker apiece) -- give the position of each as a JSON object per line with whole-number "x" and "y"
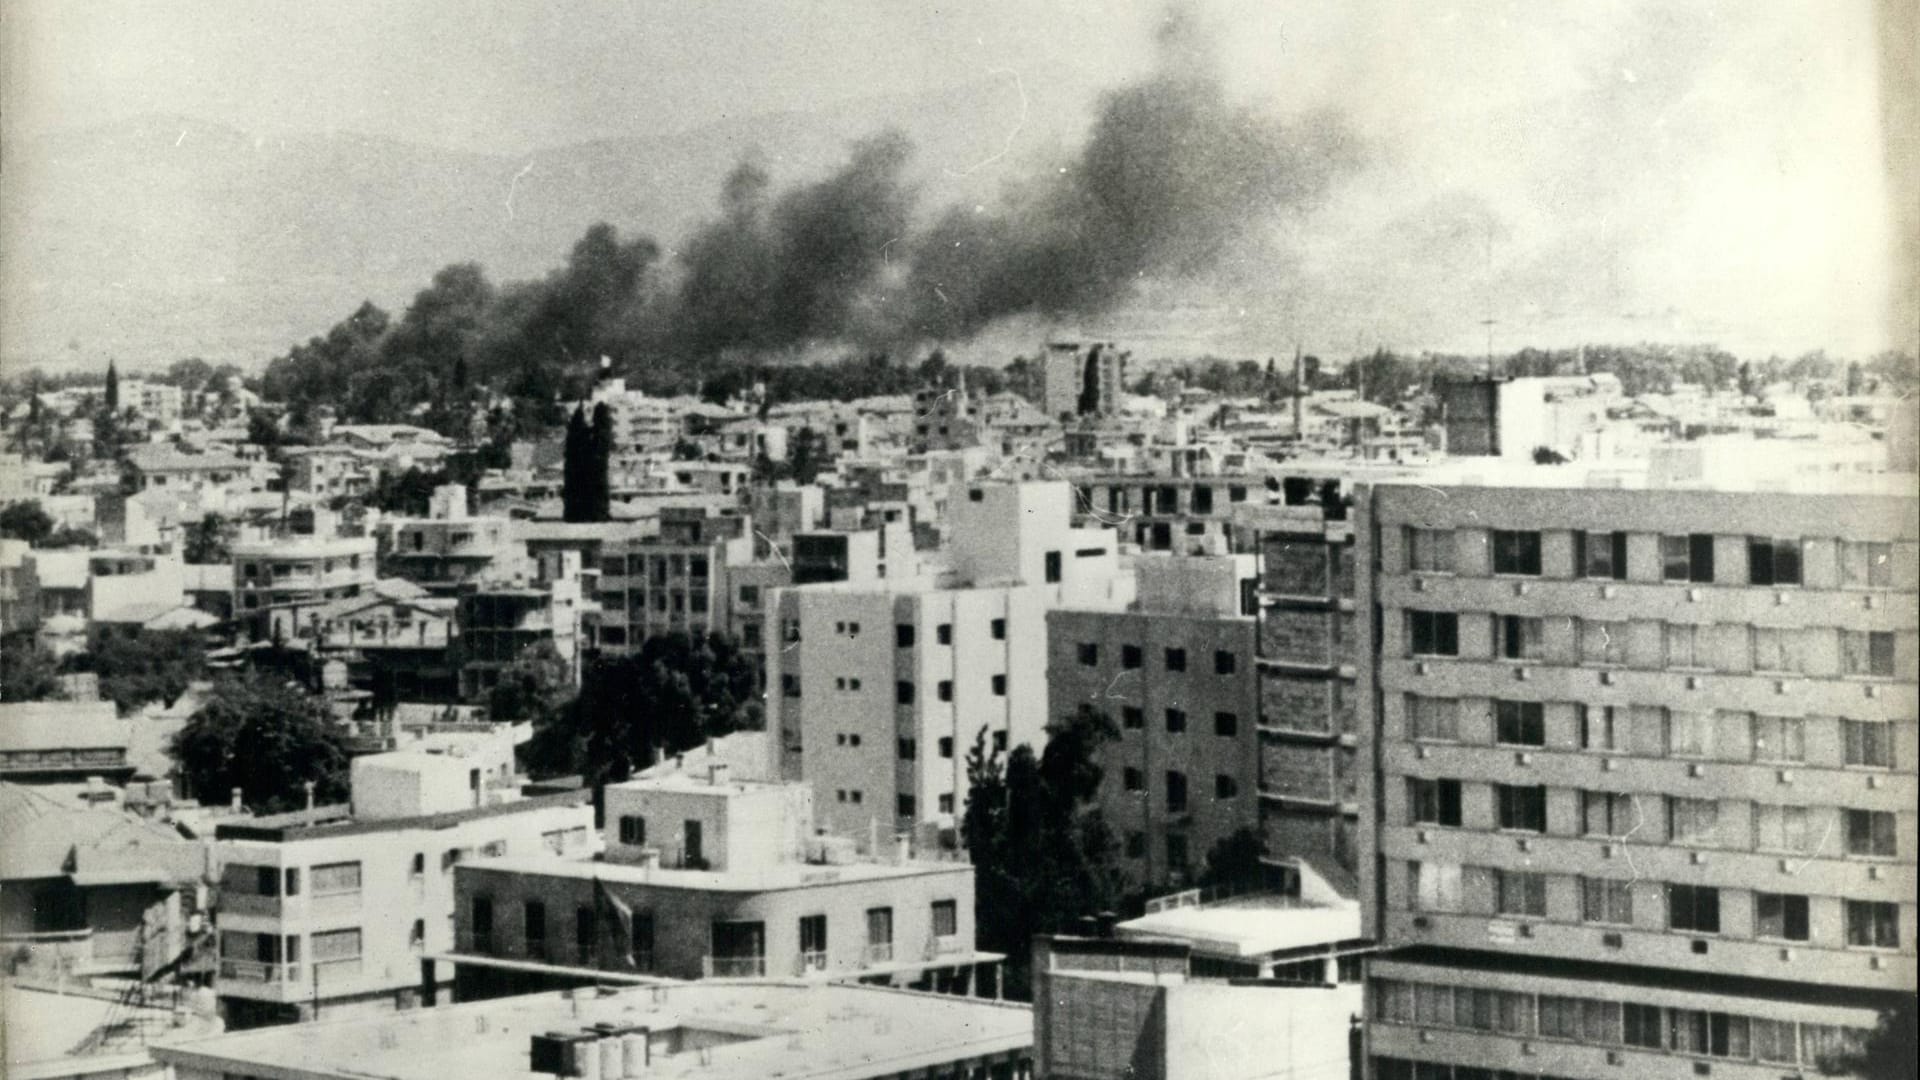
{"x": 235, "y": 802}
{"x": 309, "y": 786}
{"x": 903, "y": 848}
{"x": 636, "y": 1053}
{"x": 717, "y": 773}
{"x": 1299, "y": 388}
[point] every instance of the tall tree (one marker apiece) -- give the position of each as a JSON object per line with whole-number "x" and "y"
{"x": 600, "y": 465}
{"x": 113, "y": 390}
{"x": 208, "y": 541}
{"x": 1042, "y": 853}
{"x": 266, "y": 737}
{"x": 28, "y": 671}
{"x": 575, "y": 477}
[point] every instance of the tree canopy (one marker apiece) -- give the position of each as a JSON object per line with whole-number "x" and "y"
{"x": 26, "y": 521}
{"x": 28, "y": 672}
{"x": 267, "y": 737}
{"x": 156, "y": 665}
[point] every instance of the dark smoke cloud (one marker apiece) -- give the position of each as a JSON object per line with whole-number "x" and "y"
{"x": 1172, "y": 175}
{"x": 764, "y": 278}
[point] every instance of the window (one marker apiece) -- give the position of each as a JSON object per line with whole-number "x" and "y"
{"x": 1517, "y": 637}
{"x": 903, "y": 636}
{"x": 999, "y": 740}
{"x": 1224, "y": 786}
{"x": 1600, "y": 555}
{"x": 1433, "y": 718}
{"x": 790, "y": 686}
{"x": 418, "y": 867}
{"x": 1520, "y": 893}
{"x": 1781, "y": 828}
{"x": 1776, "y": 649}
{"x": 1714, "y": 1034}
{"x": 943, "y": 634}
{"x": 1866, "y": 565}
{"x": 1868, "y": 743}
{"x": 1226, "y": 724}
{"x": 903, "y": 692}
{"x": 1773, "y": 561}
{"x": 332, "y": 945}
{"x": 1609, "y": 813}
{"x": 1089, "y": 654}
{"x": 1607, "y": 900}
{"x": 1641, "y": 1026}
{"x": 1866, "y": 653}
{"x": 903, "y": 806}
{"x": 946, "y": 918}
{"x": 1224, "y": 662}
{"x": 1600, "y": 728}
{"x": 1434, "y": 886}
{"x": 998, "y": 628}
{"x": 1693, "y": 821}
{"x": 583, "y": 931}
{"x": 1873, "y": 925}
{"x": 1176, "y": 853}
{"x": 1603, "y": 641}
{"x": 534, "y": 927}
{"x": 1690, "y": 734}
{"x": 291, "y": 879}
{"x": 909, "y": 749}
{"x": 1779, "y": 738}
{"x": 1870, "y": 832}
{"x": 633, "y": 829}
{"x": 1176, "y": 791}
{"x": 999, "y": 685}
{"x": 943, "y": 690}
{"x": 1430, "y": 550}
{"x": 1202, "y": 499}
{"x": 1687, "y": 558}
{"x": 1237, "y": 493}
{"x": 1780, "y": 915}
{"x": 336, "y": 878}
{"x": 1133, "y": 717}
{"x": 1130, "y": 656}
{"x": 946, "y": 746}
{"x": 946, "y": 803}
{"x": 1516, "y": 552}
{"x": 1131, "y": 779}
{"x": 1176, "y": 659}
{"x": 1433, "y": 802}
{"x": 1521, "y": 808}
{"x": 1176, "y": 721}
{"x": 1433, "y": 633}
{"x": 1694, "y": 908}
{"x": 1682, "y": 644}
{"x": 690, "y": 840}
{"x": 1520, "y": 723}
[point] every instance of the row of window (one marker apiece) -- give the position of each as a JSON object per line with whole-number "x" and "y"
{"x": 1160, "y": 499}
{"x": 1703, "y": 1032}
{"x": 326, "y": 879}
{"x": 1134, "y": 781}
{"x": 1692, "y": 909}
{"x": 1656, "y": 819}
{"x": 655, "y": 566}
{"x": 1656, "y": 730}
{"x": 1173, "y": 659}
{"x": 1687, "y": 557}
{"x": 1729, "y": 648}
{"x": 905, "y": 634}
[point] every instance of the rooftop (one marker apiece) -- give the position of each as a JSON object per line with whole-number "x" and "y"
{"x": 1253, "y": 925}
{"x": 60, "y": 725}
{"x": 710, "y": 1028}
{"x": 764, "y": 877}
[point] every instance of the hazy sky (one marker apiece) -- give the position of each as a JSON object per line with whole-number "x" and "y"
{"x": 1583, "y": 171}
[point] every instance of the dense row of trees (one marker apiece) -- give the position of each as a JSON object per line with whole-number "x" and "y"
{"x": 28, "y": 520}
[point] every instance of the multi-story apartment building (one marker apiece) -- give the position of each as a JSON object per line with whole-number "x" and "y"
{"x": 280, "y": 582}
{"x": 678, "y": 581}
{"x": 1173, "y": 673}
{"x": 1190, "y": 515}
{"x": 1083, "y": 380}
{"x": 878, "y": 689}
{"x": 1642, "y": 775}
{"x": 498, "y": 621}
{"x": 337, "y": 908}
{"x": 448, "y": 548}
{"x": 706, "y": 876}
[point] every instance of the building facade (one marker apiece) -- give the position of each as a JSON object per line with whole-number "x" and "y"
{"x": 1642, "y": 778}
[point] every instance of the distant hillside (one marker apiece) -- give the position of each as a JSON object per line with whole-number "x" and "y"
{"x": 162, "y": 237}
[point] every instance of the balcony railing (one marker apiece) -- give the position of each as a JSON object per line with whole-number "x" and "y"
{"x": 811, "y": 961}
{"x": 942, "y": 945}
{"x": 734, "y": 967}
{"x": 259, "y": 971}
{"x": 880, "y": 952}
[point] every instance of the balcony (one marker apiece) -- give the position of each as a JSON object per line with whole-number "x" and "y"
{"x": 733, "y": 967}
{"x": 812, "y": 961}
{"x": 260, "y": 971}
{"x": 944, "y": 945}
{"x": 880, "y": 952}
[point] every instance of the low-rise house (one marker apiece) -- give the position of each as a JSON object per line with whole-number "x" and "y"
{"x": 62, "y": 741}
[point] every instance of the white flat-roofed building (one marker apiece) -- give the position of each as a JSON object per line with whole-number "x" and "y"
{"x": 705, "y": 876}
{"x": 334, "y": 909}
{"x": 791, "y": 1029}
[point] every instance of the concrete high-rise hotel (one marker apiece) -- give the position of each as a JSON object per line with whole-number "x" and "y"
{"x": 1642, "y": 777}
